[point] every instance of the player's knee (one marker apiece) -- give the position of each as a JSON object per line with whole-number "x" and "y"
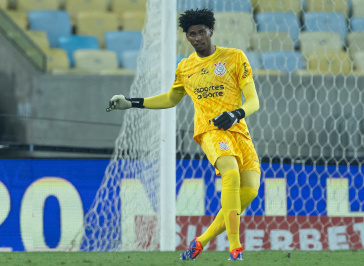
{"x": 226, "y": 163}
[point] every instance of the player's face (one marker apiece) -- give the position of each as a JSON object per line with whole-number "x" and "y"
{"x": 200, "y": 37}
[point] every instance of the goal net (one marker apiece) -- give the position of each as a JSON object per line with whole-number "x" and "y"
{"x": 308, "y": 134}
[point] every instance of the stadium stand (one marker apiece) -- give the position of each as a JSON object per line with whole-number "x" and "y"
{"x": 226, "y": 20}
{"x": 326, "y": 22}
{"x": 357, "y": 8}
{"x": 96, "y": 24}
{"x": 121, "y": 7}
{"x": 312, "y": 42}
{"x": 272, "y": 41}
{"x": 277, "y": 6}
{"x": 73, "y": 7}
{"x": 4, "y": 4}
{"x": 39, "y": 38}
{"x": 36, "y": 5}
{"x": 330, "y": 63}
{"x": 279, "y": 22}
{"x": 285, "y": 61}
{"x": 133, "y": 20}
{"x": 357, "y": 24}
{"x": 356, "y": 43}
{"x": 121, "y": 41}
{"x": 230, "y": 6}
{"x": 20, "y": 18}
{"x": 73, "y": 43}
{"x": 255, "y": 59}
{"x": 54, "y": 23}
{"x": 57, "y": 59}
{"x": 95, "y": 60}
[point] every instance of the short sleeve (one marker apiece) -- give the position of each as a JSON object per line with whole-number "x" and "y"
{"x": 177, "y": 85}
{"x": 244, "y": 70}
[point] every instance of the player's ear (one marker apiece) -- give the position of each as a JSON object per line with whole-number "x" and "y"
{"x": 211, "y": 32}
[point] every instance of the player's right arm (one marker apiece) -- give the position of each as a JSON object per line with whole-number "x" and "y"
{"x": 162, "y": 101}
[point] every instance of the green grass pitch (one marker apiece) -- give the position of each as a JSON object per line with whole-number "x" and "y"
{"x": 209, "y": 258}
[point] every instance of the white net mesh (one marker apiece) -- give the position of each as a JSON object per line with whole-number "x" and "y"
{"x": 133, "y": 172}
{"x": 308, "y": 134}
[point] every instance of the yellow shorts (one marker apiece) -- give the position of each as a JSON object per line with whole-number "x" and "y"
{"x": 218, "y": 143}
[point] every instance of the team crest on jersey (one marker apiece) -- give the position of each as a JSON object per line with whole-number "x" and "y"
{"x": 220, "y": 69}
{"x": 223, "y": 146}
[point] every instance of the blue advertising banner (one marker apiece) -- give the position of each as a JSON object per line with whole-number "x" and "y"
{"x": 43, "y": 201}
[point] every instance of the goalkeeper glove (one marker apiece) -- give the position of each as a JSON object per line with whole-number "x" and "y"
{"x": 227, "y": 119}
{"x": 122, "y": 103}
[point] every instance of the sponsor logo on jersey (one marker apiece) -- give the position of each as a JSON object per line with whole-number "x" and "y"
{"x": 223, "y": 146}
{"x": 209, "y": 92}
{"x": 220, "y": 69}
{"x": 245, "y": 70}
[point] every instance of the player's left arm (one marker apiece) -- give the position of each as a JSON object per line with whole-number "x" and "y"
{"x": 245, "y": 77}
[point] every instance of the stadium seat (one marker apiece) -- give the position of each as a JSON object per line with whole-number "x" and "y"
{"x": 231, "y": 39}
{"x": 36, "y": 5}
{"x": 358, "y": 8}
{"x": 39, "y": 38}
{"x": 359, "y": 62}
{"x": 137, "y": 7}
{"x": 3, "y": 4}
{"x": 311, "y": 42}
{"x": 278, "y": 6}
{"x": 57, "y": 59}
{"x": 281, "y": 22}
{"x": 20, "y": 18}
{"x": 95, "y": 60}
{"x": 121, "y": 41}
{"x": 357, "y": 24}
{"x": 183, "y": 5}
{"x": 128, "y": 59}
{"x": 326, "y": 22}
{"x": 227, "y": 20}
{"x": 338, "y": 6}
{"x": 119, "y": 6}
{"x": 356, "y": 43}
{"x": 133, "y": 20}
{"x": 230, "y": 5}
{"x": 54, "y": 23}
{"x": 73, "y": 7}
{"x": 330, "y": 63}
{"x": 285, "y": 61}
{"x": 272, "y": 41}
{"x": 73, "y": 43}
{"x": 255, "y": 59}
{"x": 96, "y": 24}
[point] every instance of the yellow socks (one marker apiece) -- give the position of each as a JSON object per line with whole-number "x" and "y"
{"x": 230, "y": 206}
{"x": 232, "y": 203}
{"x": 215, "y": 229}
{"x": 247, "y": 194}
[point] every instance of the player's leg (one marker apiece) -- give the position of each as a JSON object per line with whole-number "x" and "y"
{"x": 249, "y": 185}
{"x": 249, "y": 171}
{"x": 217, "y": 144}
{"x": 230, "y": 197}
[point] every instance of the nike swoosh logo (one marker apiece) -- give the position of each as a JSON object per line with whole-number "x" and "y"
{"x": 191, "y": 75}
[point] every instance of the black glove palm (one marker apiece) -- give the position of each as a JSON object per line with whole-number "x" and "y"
{"x": 227, "y": 119}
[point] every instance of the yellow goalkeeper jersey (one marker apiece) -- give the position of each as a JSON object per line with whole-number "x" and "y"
{"x": 214, "y": 84}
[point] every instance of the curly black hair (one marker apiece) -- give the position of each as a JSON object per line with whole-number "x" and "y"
{"x": 197, "y": 17}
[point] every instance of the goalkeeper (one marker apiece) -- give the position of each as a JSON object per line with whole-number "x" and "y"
{"x": 215, "y": 78}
